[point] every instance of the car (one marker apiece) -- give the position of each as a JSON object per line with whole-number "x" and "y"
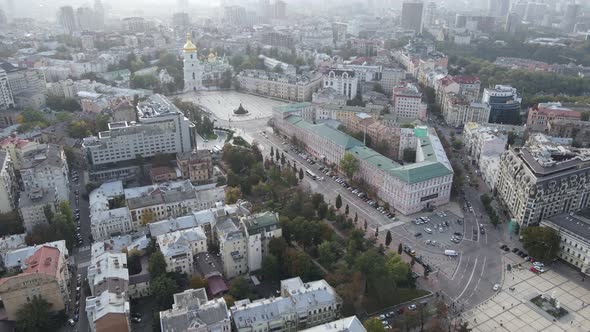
{"x": 482, "y": 230}
{"x": 413, "y": 253}
{"x": 428, "y": 230}
{"x": 418, "y": 234}
{"x": 506, "y": 249}
{"x": 540, "y": 269}
{"x": 76, "y": 317}
{"x": 458, "y": 234}
{"x": 496, "y": 287}
{"x": 534, "y": 269}
{"x": 382, "y": 317}
{"x": 71, "y": 322}
{"x": 412, "y": 307}
{"x": 136, "y": 319}
{"x": 136, "y": 314}
{"x": 538, "y": 264}
{"x": 514, "y": 250}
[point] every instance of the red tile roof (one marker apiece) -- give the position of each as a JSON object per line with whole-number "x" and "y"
{"x": 462, "y": 79}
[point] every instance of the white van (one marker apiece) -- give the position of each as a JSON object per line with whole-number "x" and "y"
{"x": 451, "y": 253}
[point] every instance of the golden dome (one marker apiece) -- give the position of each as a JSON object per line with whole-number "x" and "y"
{"x": 212, "y": 55}
{"x": 189, "y": 46}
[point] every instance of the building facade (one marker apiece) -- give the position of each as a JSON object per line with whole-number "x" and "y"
{"x": 297, "y": 88}
{"x": 259, "y": 229}
{"x": 344, "y": 82}
{"x": 540, "y": 115}
{"x": 407, "y": 102}
{"x": 504, "y": 103}
{"x": 180, "y": 247}
{"x": 8, "y": 184}
{"x": 193, "y": 311}
{"x": 197, "y": 166}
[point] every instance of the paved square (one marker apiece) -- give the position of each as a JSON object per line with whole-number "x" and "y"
{"x": 511, "y": 310}
{"x": 222, "y": 104}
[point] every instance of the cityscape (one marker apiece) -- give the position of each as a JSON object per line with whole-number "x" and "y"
{"x": 292, "y": 165}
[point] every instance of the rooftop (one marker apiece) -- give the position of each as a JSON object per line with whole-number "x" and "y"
{"x": 192, "y": 310}
{"x": 348, "y": 324}
{"x": 179, "y": 242}
{"x": 45, "y": 260}
{"x": 260, "y": 222}
{"x": 156, "y": 106}
{"x": 106, "y": 303}
{"x": 578, "y": 223}
{"x": 18, "y": 257}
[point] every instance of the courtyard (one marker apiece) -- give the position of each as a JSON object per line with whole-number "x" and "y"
{"x": 221, "y": 104}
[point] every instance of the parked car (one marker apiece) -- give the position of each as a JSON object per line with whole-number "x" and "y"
{"x": 496, "y": 287}
{"x": 412, "y": 307}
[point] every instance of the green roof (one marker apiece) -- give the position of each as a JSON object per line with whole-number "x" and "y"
{"x": 263, "y": 221}
{"x": 413, "y": 173}
{"x": 291, "y": 107}
{"x": 345, "y": 108}
{"x": 419, "y": 172}
{"x": 329, "y": 133}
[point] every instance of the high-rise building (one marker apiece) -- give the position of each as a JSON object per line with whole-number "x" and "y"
{"x": 86, "y": 19}
{"x": 180, "y": 20}
{"x": 3, "y": 19}
{"x": 504, "y": 104}
{"x": 99, "y": 14}
{"x": 498, "y": 8}
{"x": 6, "y": 99}
{"x": 279, "y": 10}
{"x": 412, "y": 15}
{"x": 234, "y": 15}
{"x": 429, "y": 14}
{"x": 570, "y": 18}
{"x": 67, "y": 19}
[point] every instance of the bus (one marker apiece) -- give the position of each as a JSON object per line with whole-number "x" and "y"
{"x": 310, "y": 174}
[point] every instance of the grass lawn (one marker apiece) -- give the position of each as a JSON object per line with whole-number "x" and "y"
{"x": 212, "y": 136}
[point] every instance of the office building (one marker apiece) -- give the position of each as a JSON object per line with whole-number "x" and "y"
{"x": 412, "y": 15}
{"x": 192, "y": 311}
{"x": 504, "y": 104}
{"x": 181, "y": 20}
{"x": 282, "y": 86}
{"x": 498, "y": 8}
{"x": 67, "y": 19}
{"x": 390, "y": 78}
{"x": 541, "y": 114}
{"x": 408, "y": 189}
{"x": 162, "y": 129}
{"x": 458, "y": 110}
{"x": 279, "y": 10}
{"x": 543, "y": 179}
{"x": 574, "y": 234}
{"x": 407, "y": 102}
{"x": 299, "y": 307}
{"x": 344, "y": 82}
{"x": 46, "y": 275}
{"x": 6, "y": 99}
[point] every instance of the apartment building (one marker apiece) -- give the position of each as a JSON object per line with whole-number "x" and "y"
{"x": 8, "y": 184}
{"x": 45, "y": 276}
{"x": 543, "y": 179}
{"x": 540, "y": 115}
{"x": 107, "y": 271}
{"x": 300, "y": 306}
{"x": 482, "y": 141}
{"x": 390, "y": 78}
{"x": 197, "y": 166}
{"x": 233, "y": 247}
{"x": 32, "y": 204}
{"x": 297, "y": 88}
{"x": 328, "y": 96}
{"x": 108, "y": 215}
{"x": 192, "y": 311}
{"x": 407, "y": 102}
{"x": 467, "y": 86}
{"x": 573, "y": 230}
{"x": 45, "y": 167}
{"x": 108, "y": 312}
{"x": 26, "y": 85}
{"x": 6, "y": 99}
{"x": 180, "y": 247}
{"x": 344, "y": 81}
{"x": 409, "y": 188}
{"x": 162, "y": 128}
{"x": 259, "y": 229}
{"x": 458, "y": 110}
{"x": 577, "y": 130}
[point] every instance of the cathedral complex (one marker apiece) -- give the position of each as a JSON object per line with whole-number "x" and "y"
{"x": 202, "y": 73}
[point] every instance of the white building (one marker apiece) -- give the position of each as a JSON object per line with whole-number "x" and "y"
{"x": 108, "y": 312}
{"x": 180, "y": 247}
{"x": 300, "y": 306}
{"x": 27, "y": 86}
{"x": 45, "y": 167}
{"x": 483, "y": 141}
{"x": 458, "y": 110}
{"x": 407, "y": 102}
{"x": 233, "y": 248}
{"x": 106, "y": 217}
{"x": 162, "y": 128}
{"x": 259, "y": 230}
{"x": 193, "y": 311}
{"x": 108, "y": 272}
{"x": 345, "y": 82}
{"x": 193, "y": 70}
{"x": 573, "y": 230}
{"x": 348, "y": 324}
{"x": 6, "y": 99}
{"x": 488, "y": 166}
{"x": 8, "y": 184}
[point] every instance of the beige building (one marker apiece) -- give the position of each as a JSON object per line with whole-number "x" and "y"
{"x": 197, "y": 166}
{"x": 46, "y": 276}
{"x": 180, "y": 247}
{"x": 233, "y": 248}
{"x": 108, "y": 312}
{"x": 281, "y": 86}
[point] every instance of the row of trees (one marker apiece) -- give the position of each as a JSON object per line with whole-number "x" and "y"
{"x": 60, "y": 226}
{"x": 487, "y": 204}
{"x": 204, "y": 125}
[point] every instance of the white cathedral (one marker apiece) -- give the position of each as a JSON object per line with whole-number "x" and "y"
{"x": 200, "y": 74}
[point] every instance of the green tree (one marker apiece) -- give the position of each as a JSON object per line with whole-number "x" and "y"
{"x": 163, "y": 288}
{"x": 378, "y": 88}
{"x": 346, "y": 210}
{"x": 388, "y": 238}
{"x": 400, "y": 249}
{"x": 585, "y": 116}
{"x": 238, "y": 288}
{"x": 134, "y": 262}
{"x": 34, "y": 316}
{"x": 157, "y": 264}
{"x": 327, "y": 253}
{"x": 300, "y": 174}
{"x": 373, "y": 324}
{"x": 338, "y": 202}
{"x": 232, "y": 195}
{"x": 542, "y": 243}
{"x": 272, "y": 152}
{"x": 271, "y": 267}
{"x": 349, "y": 164}
{"x": 322, "y": 210}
